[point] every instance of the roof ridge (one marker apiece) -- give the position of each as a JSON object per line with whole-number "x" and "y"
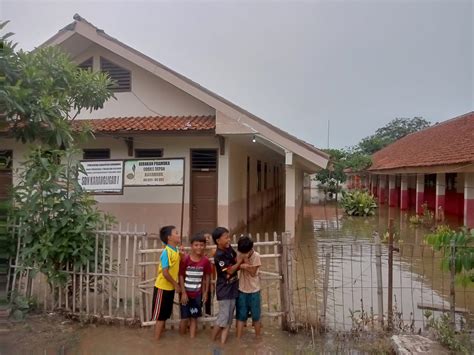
{"x": 236, "y": 107}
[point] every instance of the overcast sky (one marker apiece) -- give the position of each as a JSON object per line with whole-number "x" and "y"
{"x": 358, "y": 64}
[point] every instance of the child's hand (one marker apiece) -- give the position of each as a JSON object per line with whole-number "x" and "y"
{"x": 177, "y": 288}
{"x": 244, "y": 266}
{"x": 204, "y": 298}
{"x": 184, "y": 298}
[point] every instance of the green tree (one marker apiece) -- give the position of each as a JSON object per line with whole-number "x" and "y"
{"x": 394, "y": 130}
{"x": 42, "y": 92}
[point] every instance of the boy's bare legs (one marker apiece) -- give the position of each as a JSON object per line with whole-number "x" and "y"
{"x": 240, "y": 328}
{"x": 224, "y": 334}
{"x": 159, "y": 326}
{"x": 192, "y": 327}
{"x": 215, "y": 331}
{"x": 183, "y": 326}
{"x": 258, "y": 328}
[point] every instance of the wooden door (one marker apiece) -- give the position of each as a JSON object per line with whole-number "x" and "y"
{"x": 203, "y": 190}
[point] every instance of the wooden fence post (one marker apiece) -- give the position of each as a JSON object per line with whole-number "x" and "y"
{"x": 286, "y": 289}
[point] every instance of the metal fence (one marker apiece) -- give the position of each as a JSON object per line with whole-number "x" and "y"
{"x": 340, "y": 286}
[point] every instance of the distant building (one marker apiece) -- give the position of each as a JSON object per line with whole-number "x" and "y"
{"x": 433, "y": 166}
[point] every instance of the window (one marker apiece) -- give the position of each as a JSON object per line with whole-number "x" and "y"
{"x": 89, "y": 154}
{"x": 6, "y": 159}
{"x": 148, "y": 153}
{"x": 265, "y": 171}
{"x": 87, "y": 64}
{"x": 204, "y": 160}
{"x": 120, "y": 76}
{"x": 259, "y": 176}
{"x": 451, "y": 181}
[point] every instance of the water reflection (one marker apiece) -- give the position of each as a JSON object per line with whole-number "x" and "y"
{"x": 325, "y": 229}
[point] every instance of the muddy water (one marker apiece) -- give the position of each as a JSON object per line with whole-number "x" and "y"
{"x": 325, "y": 230}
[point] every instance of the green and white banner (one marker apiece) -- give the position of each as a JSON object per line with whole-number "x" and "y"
{"x": 154, "y": 172}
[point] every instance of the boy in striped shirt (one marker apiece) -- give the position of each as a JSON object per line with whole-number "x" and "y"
{"x": 194, "y": 276}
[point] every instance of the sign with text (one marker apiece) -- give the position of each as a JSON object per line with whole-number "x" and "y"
{"x": 154, "y": 172}
{"x": 102, "y": 176}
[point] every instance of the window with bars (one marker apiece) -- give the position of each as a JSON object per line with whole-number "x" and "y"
{"x": 148, "y": 153}
{"x": 121, "y": 77}
{"x": 90, "y": 154}
{"x": 87, "y": 64}
{"x": 204, "y": 160}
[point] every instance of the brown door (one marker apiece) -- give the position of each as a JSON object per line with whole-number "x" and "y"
{"x": 203, "y": 190}
{"x": 5, "y": 175}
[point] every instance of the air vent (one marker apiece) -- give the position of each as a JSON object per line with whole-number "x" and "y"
{"x": 148, "y": 153}
{"x": 90, "y": 154}
{"x": 87, "y": 65}
{"x": 204, "y": 160}
{"x": 121, "y": 77}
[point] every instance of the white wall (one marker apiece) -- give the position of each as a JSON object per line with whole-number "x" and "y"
{"x": 155, "y": 96}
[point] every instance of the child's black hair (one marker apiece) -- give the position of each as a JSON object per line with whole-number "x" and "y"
{"x": 165, "y": 233}
{"x": 198, "y": 237}
{"x": 218, "y": 232}
{"x": 245, "y": 244}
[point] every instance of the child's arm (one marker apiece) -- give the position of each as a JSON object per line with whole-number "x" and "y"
{"x": 233, "y": 268}
{"x": 205, "y": 289}
{"x": 167, "y": 276}
{"x": 251, "y": 269}
{"x": 165, "y": 264}
{"x": 184, "y": 296}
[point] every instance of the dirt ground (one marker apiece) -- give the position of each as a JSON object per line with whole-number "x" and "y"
{"x": 54, "y": 334}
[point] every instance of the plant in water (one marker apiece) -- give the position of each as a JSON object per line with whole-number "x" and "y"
{"x": 444, "y": 332}
{"x": 456, "y": 246}
{"x": 427, "y": 218}
{"x": 358, "y": 203}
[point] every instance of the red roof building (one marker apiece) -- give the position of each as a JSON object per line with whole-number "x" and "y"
{"x": 432, "y": 168}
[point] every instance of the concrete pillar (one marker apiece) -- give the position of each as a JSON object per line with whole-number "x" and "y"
{"x": 290, "y": 199}
{"x": 440, "y": 195}
{"x": 392, "y": 191}
{"x": 382, "y": 182}
{"x": 404, "y": 193}
{"x": 469, "y": 200}
{"x": 420, "y": 192}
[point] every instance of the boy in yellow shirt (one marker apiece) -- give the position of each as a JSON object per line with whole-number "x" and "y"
{"x": 167, "y": 280}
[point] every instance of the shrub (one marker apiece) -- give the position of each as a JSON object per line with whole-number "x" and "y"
{"x": 358, "y": 203}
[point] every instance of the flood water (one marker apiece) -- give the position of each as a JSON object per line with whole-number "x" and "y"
{"x": 323, "y": 231}
{"x": 349, "y": 244}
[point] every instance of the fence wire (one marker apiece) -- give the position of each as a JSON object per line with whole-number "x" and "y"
{"x": 336, "y": 286}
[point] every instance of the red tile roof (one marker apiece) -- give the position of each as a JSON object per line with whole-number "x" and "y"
{"x": 151, "y": 124}
{"x": 449, "y": 142}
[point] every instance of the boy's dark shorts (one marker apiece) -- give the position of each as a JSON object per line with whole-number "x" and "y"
{"x": 193, "y": 309}
{"x": 162, "y": 305}
{"x": 248, "y": 303}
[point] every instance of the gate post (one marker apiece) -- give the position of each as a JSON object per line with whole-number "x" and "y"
{"x": 286, "y": 289}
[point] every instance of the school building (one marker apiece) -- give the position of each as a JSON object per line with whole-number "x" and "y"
{"x": 169, "y": 151}
{"x": 433, "y": 167}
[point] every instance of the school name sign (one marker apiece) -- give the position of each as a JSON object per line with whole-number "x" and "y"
{"x": 154, "y": 172}
{"x": 104, "y": 176}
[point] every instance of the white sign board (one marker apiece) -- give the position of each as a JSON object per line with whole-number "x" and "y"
{"x": 154, "y": 172}
{"x": 102, "y": 176}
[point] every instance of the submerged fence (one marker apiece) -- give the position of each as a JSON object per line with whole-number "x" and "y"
{"x": 376, "y": 285}
{"x": 313, "y": 285}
